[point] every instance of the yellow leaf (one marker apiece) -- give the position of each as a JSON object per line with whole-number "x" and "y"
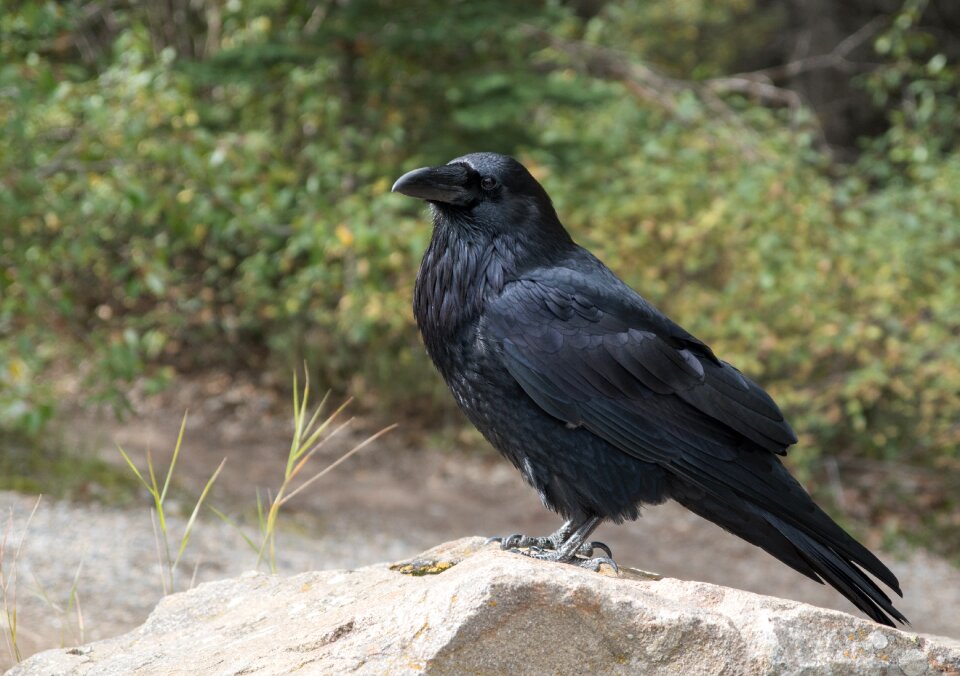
{"x": 344, "y": 235}
{"x": 17, "y": 369}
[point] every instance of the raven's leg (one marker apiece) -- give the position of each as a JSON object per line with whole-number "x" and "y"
{"x": 568, "y": 542}
{"x": 575, "y": 544}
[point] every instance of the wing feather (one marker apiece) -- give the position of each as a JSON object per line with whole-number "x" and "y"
{"x": 600, "y": 348}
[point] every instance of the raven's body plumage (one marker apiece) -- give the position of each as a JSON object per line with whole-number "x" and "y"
{"x": 601, "y": 401}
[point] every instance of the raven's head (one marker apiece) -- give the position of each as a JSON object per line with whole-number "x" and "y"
{"x": 485, "y": 191}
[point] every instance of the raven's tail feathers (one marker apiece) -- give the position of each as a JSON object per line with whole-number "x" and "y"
{"x": 841, "y": 574}
{"x": 814, "y": 557}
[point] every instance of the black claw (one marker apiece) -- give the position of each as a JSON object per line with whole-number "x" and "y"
{"x": 514, "y": 540}
{"x": 600, "y": 545}
{"x": 495, "y": 538}
{"x": 587, "y": 548}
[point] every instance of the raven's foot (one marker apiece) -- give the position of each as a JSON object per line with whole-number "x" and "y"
{"x": 567, "y": 545}
{"x": 518, "y": 541}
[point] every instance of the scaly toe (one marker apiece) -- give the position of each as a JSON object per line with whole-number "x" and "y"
{"x": 521, "y": 541}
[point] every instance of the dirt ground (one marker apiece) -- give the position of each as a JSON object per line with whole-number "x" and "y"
{"x": 388, "y": 502}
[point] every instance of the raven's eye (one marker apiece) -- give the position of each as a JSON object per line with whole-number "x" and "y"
{"x": 488, "y": 183}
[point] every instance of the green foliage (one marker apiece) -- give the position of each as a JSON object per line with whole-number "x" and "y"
{"x": 25, "y": 405}
{"x": 229, "y": 206}
{"x": 919, "y": 85}
{"x": 229, "y": 210}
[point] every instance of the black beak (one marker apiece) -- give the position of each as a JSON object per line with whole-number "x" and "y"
{"x": 448, "y": 184}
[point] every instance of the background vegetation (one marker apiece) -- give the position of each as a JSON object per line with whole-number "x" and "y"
{"x": 205, "y": 183}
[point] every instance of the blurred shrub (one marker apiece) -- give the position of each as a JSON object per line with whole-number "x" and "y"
{"x": 25, "y": 405}
{"x": 230, "y": 207}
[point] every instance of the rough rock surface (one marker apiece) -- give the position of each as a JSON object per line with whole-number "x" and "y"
{"x": 468, "y": 608}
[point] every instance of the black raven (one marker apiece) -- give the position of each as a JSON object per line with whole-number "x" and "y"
{"x": 601, "y": 401}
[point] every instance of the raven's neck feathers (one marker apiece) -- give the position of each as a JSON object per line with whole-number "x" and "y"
{"x": 460, "y": 270}
{"x": 468, "y": 264}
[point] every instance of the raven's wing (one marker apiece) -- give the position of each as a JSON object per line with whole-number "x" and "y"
{"x": 573, "y": 340}
{"x": 590, "y": 351}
